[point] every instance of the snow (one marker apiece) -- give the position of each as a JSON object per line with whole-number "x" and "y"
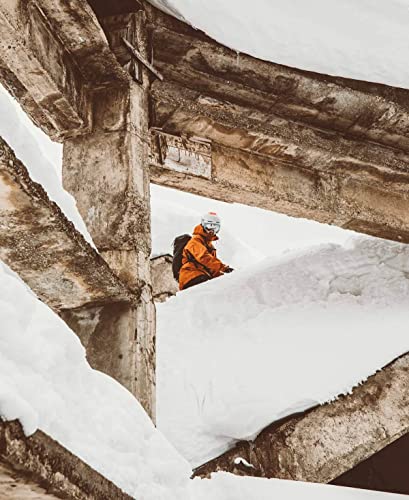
{"x": 365, "y": 40}
{"x": 41, "y": 157}
{"x": 46, "y": 383}
{"x": 286, "y": 334}
{"x": 224, "y": 486}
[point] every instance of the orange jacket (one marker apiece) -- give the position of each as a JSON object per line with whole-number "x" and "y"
{"x": 199, "y": 258}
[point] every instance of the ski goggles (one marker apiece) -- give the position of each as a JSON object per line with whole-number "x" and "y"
{"x": 212, "y": 226}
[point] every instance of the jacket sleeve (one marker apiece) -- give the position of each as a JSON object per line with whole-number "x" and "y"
{"x": 200, "y": 253}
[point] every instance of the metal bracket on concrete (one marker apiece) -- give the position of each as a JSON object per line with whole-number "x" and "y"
{"x": 135, "y": 53}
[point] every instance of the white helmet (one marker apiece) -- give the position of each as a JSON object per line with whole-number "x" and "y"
{"x": 211, "y": 222}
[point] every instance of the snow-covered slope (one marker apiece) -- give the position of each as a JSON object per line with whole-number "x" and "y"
{"x": 224, "y": 486}
{"x": 46, "y": 383}
{"x": 365, "y": 40}
{"x": 244, "y": 350}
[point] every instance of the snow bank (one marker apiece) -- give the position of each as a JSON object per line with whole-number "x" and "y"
{"x": 242, "y": 351}
{"x": 41, "y": 156}
{"x": 224, "y": 486}
{"x": 365, "y": 40}
{"x": 46, "y": 383}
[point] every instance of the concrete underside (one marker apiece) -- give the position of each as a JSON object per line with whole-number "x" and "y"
{"x": 304, "y": 144}
{"x": 38, "y": 467}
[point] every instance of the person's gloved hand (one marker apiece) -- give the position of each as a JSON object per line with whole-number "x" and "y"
{"x": 228, "y": 270}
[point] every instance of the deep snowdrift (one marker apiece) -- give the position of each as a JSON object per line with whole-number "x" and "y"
{"x": 224, "y": 486}
{"x": 365, "y": 40}
{"x": 249, "y": 348}
{"x": 46, "y": 383}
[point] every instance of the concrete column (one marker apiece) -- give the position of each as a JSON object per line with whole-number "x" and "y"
{"x": 107, "y": 172}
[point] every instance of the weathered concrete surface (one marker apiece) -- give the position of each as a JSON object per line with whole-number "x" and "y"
{"x": 322, "y": 444}
{"x": 51, "y": 54}
{"x": 15, "y": 487}
{"x": 163, "y": 283}
{"x": 43, "y": 247}
{"x": 38, "y": 467}
{"x": 109, "y": 334}
{"x": 107, "y": 171}
{"x": 304, "y": 144}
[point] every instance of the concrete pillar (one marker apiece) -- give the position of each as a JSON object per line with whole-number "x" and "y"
{"x": 107, "y": 172}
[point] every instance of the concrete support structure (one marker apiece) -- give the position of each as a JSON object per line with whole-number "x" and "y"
{"x": 107, "y": 171}
{"x": 323, "y": 443}
{"x": 56, "y": 60}
{"x": 44, "y": 248}
{"x": 51, "y": 53}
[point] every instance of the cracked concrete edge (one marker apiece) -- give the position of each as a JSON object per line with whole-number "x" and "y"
{"x": 326, "y": 441}
{"x": 42, "y": 461}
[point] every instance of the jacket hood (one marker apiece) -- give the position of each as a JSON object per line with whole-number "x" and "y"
{"x": 199, "y": 231}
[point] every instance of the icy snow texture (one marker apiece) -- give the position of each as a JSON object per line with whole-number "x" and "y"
{"x": 365, "y": 40}
{"x": 224, "y": 486}
{"x": 46, "y": 383}
{"x": 41, "y": 156}
{"x": 244, "y": 350}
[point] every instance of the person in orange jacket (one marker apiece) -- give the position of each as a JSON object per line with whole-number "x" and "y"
{"x": 199, "y": 261}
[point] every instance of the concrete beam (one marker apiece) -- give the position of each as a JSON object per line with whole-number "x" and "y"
{"x": 43, "y": 247}
{"x": 38, "y": 467}
{"x": 367, "y": 111}
{"x": 323, "y": 443}
{"x": 107, "y": 171}
{"x": 278, "y": 165}
{"x": 51, "y": 55}
{"x": 307, "y": 145}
